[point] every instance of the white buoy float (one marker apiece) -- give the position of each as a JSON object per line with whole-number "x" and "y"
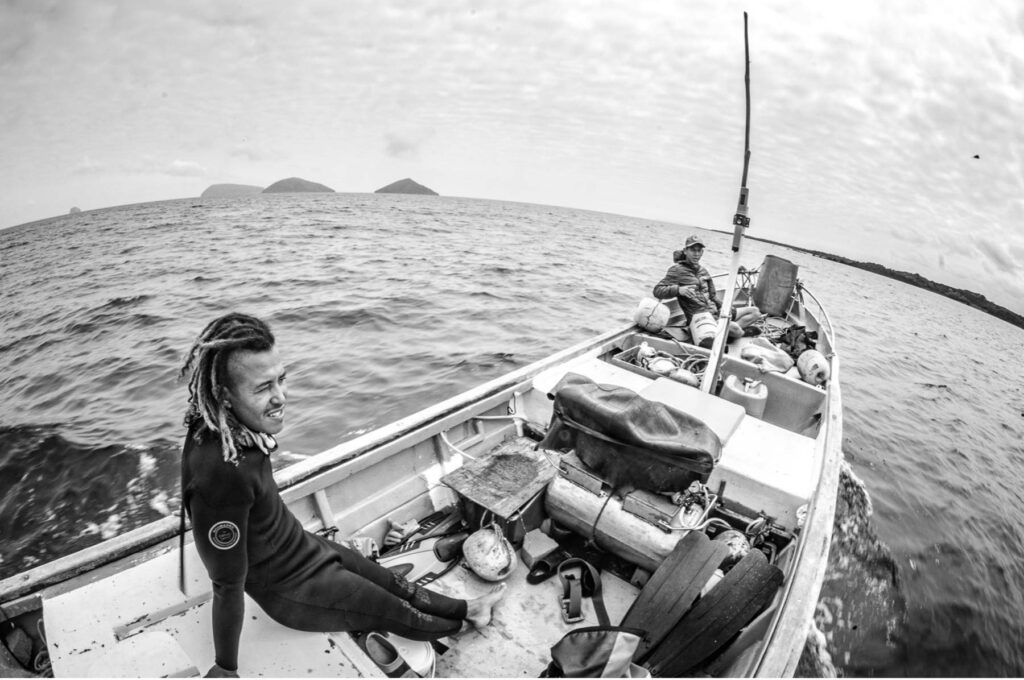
{"x": 813, "y": 367}
{"x": 651, "y": 315}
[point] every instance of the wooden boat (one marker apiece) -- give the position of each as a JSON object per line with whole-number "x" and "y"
{"x": 115, "y": 609}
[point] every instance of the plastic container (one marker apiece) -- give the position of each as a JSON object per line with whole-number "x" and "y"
{"x": 703, "y": 328}
{"x": 775, "y": 284}
{"x": 752, "y": 395}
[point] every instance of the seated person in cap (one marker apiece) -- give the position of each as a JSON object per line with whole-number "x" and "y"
{"x": 691, "y": 284}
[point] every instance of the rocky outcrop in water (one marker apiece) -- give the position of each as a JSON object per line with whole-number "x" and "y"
{"x": 296, "y": 184}
{"x": 230, "y": 190}
{"x": 406, "y": 186}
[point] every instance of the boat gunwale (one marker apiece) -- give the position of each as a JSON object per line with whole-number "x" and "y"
{"x": 791, "y": 621}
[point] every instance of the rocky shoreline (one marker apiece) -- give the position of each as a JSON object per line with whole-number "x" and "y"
{"x": 967, "y": 297}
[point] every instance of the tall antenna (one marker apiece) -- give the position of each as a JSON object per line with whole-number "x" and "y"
{"x": 740, "y": 221}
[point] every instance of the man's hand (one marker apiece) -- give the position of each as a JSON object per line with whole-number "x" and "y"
{"x": 218, "y": 672}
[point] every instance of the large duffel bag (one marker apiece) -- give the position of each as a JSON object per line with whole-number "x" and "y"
{"x": 630, "y": 441}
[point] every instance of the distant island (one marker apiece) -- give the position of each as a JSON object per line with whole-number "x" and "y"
{"x": 967, "y": 297}
{"x": 230, "y": 190}
{"x": 74, "y": 210}
{"x": 295, "y": 184}
{"x": 406, "y": 186}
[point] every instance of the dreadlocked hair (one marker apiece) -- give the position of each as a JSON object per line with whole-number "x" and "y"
{"x": 207, "y": 362}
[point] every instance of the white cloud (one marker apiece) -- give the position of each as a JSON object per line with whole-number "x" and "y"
{"x": 186, "y": 169}
{"x": 87, "y": 166}
{"x": 998, "y": 254}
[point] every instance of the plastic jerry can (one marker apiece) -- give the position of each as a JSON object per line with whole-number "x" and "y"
{"x": 752, "y": 395}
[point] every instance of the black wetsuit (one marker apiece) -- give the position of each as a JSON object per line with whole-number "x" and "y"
{"x": 250, "y": 541}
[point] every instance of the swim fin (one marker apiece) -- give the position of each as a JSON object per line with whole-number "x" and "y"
{"x": 717, "y": 617}
{"x": 427, "y": 559}
{"x": 444, "y": 521}
{"x": 673, "y": 588}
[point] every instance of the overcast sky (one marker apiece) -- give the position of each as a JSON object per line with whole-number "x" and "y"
{"x": 884, "y": 131}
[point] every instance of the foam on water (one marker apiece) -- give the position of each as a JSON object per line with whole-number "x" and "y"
{"x": 862, "y": 609}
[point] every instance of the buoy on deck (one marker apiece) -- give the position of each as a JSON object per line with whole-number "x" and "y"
{"x": 813, "y": 367}
{"x": 651, "y": 315}
{"x": 489, "y": 554}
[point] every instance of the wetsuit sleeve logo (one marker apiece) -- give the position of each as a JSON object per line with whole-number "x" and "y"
{"x": 224, "y": 535}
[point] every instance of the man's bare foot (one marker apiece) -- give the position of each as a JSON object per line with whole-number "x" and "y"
{"x": 480, "y": 609}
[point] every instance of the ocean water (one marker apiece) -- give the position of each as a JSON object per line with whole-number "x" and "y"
{"x": 383, "y": 304}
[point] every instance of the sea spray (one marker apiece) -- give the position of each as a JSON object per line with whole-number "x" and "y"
{"x": 861, "y": 611}
{"x": 816, "y": 662}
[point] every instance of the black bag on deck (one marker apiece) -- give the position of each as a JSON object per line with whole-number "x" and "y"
{"x": 628, "y": 440}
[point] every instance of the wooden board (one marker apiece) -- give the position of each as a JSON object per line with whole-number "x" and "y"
{"x": 505, "y": 480}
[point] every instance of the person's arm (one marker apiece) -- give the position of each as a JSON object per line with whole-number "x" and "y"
{"x": 220, "y": 536}
{"x": 676, "y": 283}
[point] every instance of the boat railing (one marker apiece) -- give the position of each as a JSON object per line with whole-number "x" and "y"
{"x": 793, "y": 618}
{"x": 824, "y": 321}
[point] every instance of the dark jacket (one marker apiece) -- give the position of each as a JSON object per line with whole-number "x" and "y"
{"x": 691, "y": 285}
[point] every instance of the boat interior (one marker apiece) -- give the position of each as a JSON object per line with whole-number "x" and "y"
{"x": 477, "y": 462}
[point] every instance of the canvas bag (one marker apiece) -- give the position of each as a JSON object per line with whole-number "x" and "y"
{"x": 601, "y": 651}
{"x": 628, "y": 440}
{"x": 596, "y": 652}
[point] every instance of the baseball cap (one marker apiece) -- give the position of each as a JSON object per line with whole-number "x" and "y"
{"x": 694, "y": 240}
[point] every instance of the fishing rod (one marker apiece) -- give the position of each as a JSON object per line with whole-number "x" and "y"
{"x": 740, "y": 222}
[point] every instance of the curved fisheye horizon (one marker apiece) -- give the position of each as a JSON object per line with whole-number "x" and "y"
{"x": 880, "y": 134}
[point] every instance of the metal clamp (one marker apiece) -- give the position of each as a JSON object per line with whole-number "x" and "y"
{"x": 575, "y": 588}
{"x": 572, "y": 605}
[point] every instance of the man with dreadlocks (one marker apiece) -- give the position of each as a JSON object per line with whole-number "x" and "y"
{"x": 248, "y": 539}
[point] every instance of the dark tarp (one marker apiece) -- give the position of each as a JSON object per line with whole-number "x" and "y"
{"x": 630, "y": 441}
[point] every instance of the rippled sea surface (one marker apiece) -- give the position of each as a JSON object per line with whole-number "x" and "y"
{"x": 384, "y": 304}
